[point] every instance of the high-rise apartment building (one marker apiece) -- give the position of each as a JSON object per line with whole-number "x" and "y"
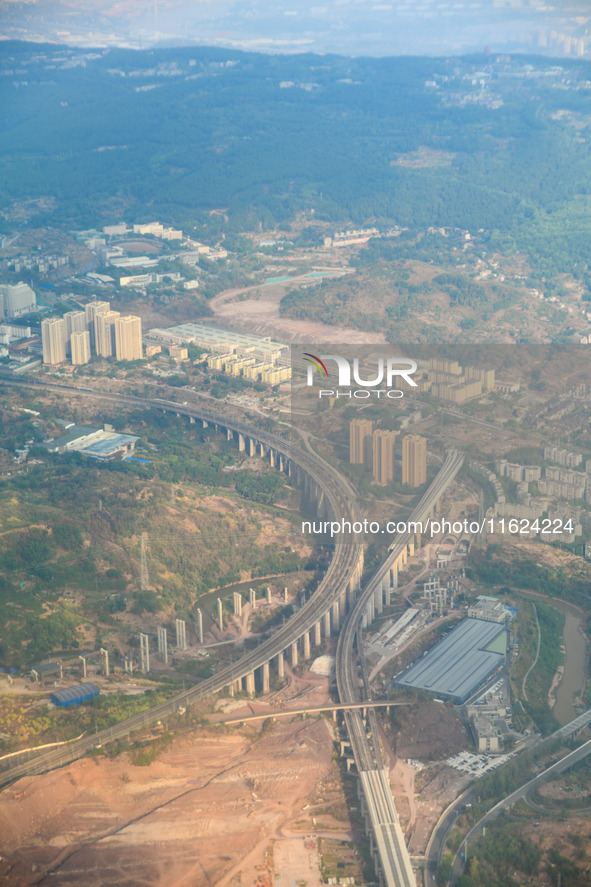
{"x": 383, "y": 456}
{"x": 360, "y": 442}
{"x": 53, "y": 340}
{"x": 104, "y": 326}
{"x": 90, "y": 312}
{"x": 75, "y": 322}
{"x": 80, "y": 347}
{"x": 17, "y": 299}
{"x": 414, "y": 460}
{"x": 128, "y": 338}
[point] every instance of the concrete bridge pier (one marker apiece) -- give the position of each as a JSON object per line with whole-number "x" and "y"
{"x": 394, "y": 576}
{"x": 241, "y": 443}
{"x": 250, "y": 683}
{"x": 261, "y": 450}
{"x": 252, "y": 447}
{"x": 280, "y": 665}
{"x": 321, "y": 504}
{"x": 336, "y": 616}
{"x": 378, "y": 599}
{"x": 317, "y": 634}
{"x": 294, "y": 654}
{"x": 326, "y": 618}
{"x": 265, "y": 677}
{"x": 343, "y": 603}
{"x": 306, "y": 637}
{"x": 386, "y": 589}
{"x": 229, "y": 434}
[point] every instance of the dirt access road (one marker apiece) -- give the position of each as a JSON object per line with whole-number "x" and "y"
{"x": 201, "y": 814}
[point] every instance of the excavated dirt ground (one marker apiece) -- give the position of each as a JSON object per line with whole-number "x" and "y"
{"x": 204, "y": 813}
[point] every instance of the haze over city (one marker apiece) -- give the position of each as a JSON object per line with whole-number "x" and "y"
{"x": 295, "y": 443}
{"x": 351, "y": 27}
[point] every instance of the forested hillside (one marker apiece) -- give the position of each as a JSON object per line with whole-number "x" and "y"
{"x": 478, "y": 143}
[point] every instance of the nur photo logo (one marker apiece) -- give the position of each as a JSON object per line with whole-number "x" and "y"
{"x": 347, "y": 374}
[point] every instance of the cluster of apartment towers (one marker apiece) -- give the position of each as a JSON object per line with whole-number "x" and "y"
{"x": 376, "y": 451}
{"x": 78, "y": 333}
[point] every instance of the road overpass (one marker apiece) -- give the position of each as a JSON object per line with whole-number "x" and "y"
{"x": 314, "y": 709}
{"x": 382, "y": 821}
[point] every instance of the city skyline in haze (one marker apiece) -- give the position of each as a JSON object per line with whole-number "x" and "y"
{"x": 347, "y": 27}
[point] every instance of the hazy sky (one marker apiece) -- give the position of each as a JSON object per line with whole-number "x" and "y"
{"x": 370, "y": 27}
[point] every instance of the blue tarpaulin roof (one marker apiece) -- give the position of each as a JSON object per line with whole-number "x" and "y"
{"x": 76, "y": 694}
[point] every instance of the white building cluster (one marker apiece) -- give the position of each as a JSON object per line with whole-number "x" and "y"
{"x": 97, "y": 329}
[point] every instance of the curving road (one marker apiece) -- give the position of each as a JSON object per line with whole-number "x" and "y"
{"x": 343, "y": 568}
{"x": 438, "y": 839}
{"x": 567, "y": 761}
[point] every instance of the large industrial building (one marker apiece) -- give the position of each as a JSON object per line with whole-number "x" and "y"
{"x": 456, "y": 667}
{"x": 221, "y": 341}
{"x": 94, "y": 442}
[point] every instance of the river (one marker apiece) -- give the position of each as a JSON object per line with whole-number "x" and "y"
{"x": 574, "y": 676}
{"x": 573, "y": 679}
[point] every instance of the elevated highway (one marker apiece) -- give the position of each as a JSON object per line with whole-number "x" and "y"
{"x": 320, "y": 616}
{"x": 565, "y": 763}
{"x": 393, "y": 861}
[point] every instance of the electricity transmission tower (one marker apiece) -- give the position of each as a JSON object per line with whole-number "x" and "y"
{"x": 144, "y": 577}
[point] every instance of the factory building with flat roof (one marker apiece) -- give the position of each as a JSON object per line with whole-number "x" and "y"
{"x": 457, "y": 666}
{"x": 216, "y": 339}
{"x": 97, "y": 443}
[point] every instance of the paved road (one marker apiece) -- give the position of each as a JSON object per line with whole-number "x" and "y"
{"x": 567, "y": 761}
{"x": 438, "y": 839}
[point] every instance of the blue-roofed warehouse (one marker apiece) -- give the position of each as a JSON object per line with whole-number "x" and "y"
{"x": 75, "y": 695}
{"x": 456, "y": 667}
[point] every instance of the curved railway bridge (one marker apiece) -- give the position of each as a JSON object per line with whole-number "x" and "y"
{"x": 336, "y": 602}
{"x": 321, "y": 615}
